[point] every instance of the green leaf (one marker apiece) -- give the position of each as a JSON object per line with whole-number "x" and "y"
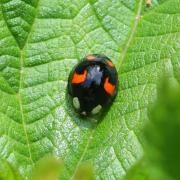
{"x": 40, "y": 41}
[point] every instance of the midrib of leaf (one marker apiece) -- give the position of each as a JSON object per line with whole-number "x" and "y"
{"x": 21, "y": 86}
{"x": 21, "y": 78}
{"x": 131, "y": 35}
{"x": 83, "y": 154}
{"x": 21, "y": 105}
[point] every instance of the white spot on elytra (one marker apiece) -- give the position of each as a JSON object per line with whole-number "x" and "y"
{"x": 76, "y": 103}
{"x": 96, "y": 109}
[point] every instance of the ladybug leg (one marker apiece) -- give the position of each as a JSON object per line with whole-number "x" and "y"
{"x": 93, "y": 120}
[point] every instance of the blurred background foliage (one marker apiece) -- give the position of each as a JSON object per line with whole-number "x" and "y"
{"x": 162, "y": 148}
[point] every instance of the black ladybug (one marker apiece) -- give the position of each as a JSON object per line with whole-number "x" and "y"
{"x": 92, "y": 84}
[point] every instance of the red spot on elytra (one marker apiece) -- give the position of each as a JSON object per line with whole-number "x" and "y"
{"x": 79, "y": 78}
{"x": 90, "y": 57}
{"x": 110, "y": 63}
{"x": 109, "y": 88}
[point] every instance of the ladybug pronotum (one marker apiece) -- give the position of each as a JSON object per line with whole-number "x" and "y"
{"x": 92, "y": 84}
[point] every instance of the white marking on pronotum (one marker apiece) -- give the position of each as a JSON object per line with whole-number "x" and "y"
{"x": 76, "y": 103}
{"x": 96, "y": 109}
{"x": 98, "y": 68}
{"x": 84, "y": 113}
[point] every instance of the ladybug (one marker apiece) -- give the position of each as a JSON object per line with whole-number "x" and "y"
{"x": 92, "y": 84}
